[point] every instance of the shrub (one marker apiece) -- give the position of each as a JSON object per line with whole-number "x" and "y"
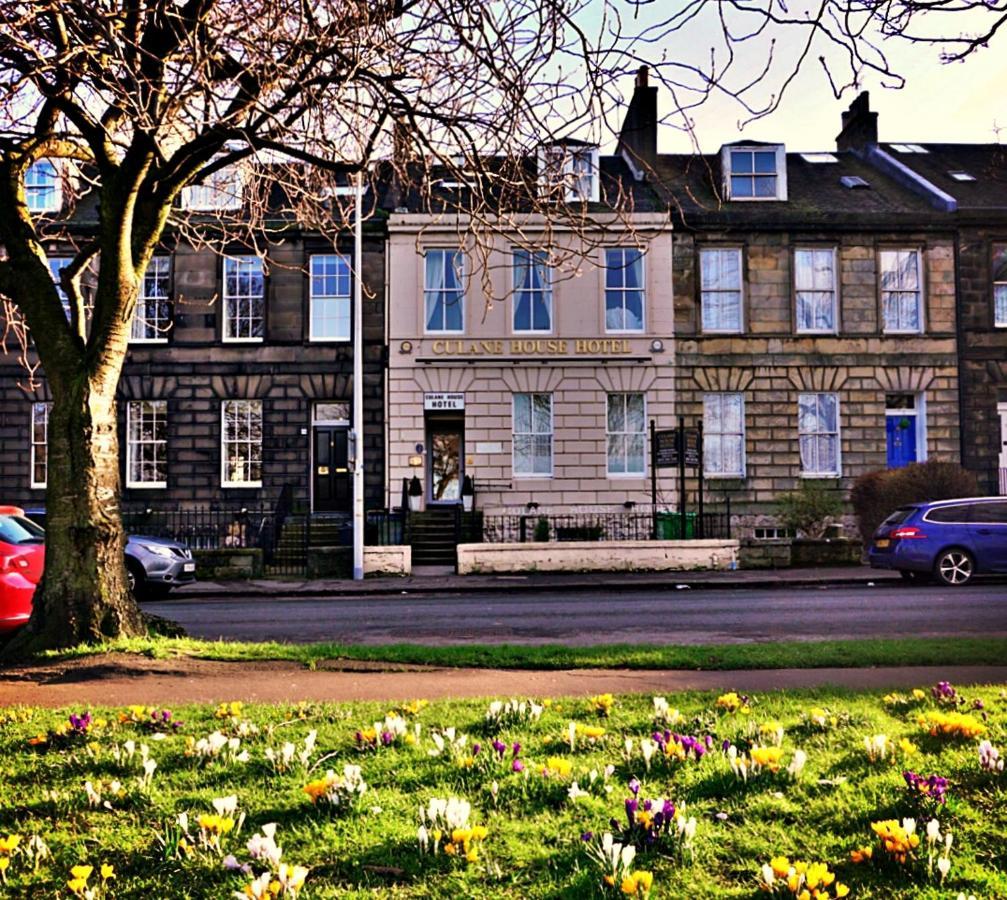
{"x": 810, "y": 509}
{"x": 542, "y": 529}
{"x": 876, "y": 495}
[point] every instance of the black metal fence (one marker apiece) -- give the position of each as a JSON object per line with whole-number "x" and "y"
{"x": 631, "y": 525}
{"x": 206, "y": 527}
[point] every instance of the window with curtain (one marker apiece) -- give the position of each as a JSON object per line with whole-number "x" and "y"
{"x": 153, "y": 315}
{"x": 533, "y": 434}
{"x": 147, "y": 443}
{"x": 720, "y": 282}
{"x": 241, "y": 443}
{"x": 815, "y": 283}
{"x": 724, "y": 435}
{"x": 39, "y": 450}
{"x": 626, "y": 434}
{"x": 901, "y": 292}
{"x": 623, "y": 289}
{"x": 244, "y": 299}
{"x": 1000, "y": 286}
{"x": 443, "y": 291}
{"x": 532, "y": 291}
{"x": 818, "y": 430}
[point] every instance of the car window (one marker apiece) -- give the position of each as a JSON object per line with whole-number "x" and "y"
{"x": 960, "y": 512}
{"x": 18, "y": 530}
{"x": 990, "y": 512}
{"x": 900, "y": 515}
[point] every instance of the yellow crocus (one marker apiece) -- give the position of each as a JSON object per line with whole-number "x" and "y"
{"x": 82, "y": 872}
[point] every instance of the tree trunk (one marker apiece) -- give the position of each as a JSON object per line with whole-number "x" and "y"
{"x": 83, "y": 596}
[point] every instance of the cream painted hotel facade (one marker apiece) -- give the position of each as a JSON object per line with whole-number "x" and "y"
{"x": 535, "y": 369}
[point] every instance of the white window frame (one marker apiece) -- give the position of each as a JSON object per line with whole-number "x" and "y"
{"x": 34, "y": 188}
{"x": 141, "y": 322}
{"x": 227, "y": 326}
{"x": 332, "y": 300}
{"x": 919, "y": 413}
{"x": 220, "y": 192}
{"x": 884, "y": 252}
{"x": 998, "y": 320}
{"x": 838, "y": 433}
{"x": 225, "y": 442}
{"x": 546, "y": 292}
{"x": 557, "y": 167}
{"x": 833, "y": 290}
{"x": 34, "y": 445}
{"x": 622, "y": 290}
{"x": 551, "y": 433}
{"x": 626, "y": 435}
{"x": 726, "y": 165}
{"x": 720, "y": 397}
{"x": 703, "y": 291}
{"x": 460, "y": 274}
{"x": 160, "y": 411}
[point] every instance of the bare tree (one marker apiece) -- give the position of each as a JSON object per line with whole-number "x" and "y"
{"x": 137, "y": 100}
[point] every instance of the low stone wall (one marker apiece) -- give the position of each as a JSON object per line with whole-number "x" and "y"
{"x": 806, "y": 553}
{"x": 227, "y": 563}
{"x": 764, "y": 553}
{"x": 597, "y": 556}
{"x": 393, "y": 560}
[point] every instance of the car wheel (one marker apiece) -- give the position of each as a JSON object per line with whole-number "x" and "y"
{"x": 954, "y": 567}
{"x": 134, "y": 578}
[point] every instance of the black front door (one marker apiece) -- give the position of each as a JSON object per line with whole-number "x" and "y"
{"x": 333, "y": 485}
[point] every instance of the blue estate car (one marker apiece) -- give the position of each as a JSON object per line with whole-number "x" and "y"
{"x": 951, "y": 540}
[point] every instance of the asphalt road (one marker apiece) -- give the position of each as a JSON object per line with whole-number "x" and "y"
{"x": 631, "y": 616}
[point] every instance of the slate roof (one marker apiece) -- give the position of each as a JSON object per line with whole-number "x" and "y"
{"x": 987, "y": 163}
{"x": 816, "y": 196}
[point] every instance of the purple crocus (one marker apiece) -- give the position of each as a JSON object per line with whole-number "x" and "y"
{"x": 634, "y": 785}
{"x": 932, "y": 786}
{"x": 517, "y": 766}
{"x": 516, "y": 749}
{"x": 80, "y": 723}
{"x": 499, "y": 746}
{"x": 476, "y": 748}
{"x": 587, "y": 836}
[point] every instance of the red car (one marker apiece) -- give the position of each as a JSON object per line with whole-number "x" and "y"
{"x": 22, "y": 559}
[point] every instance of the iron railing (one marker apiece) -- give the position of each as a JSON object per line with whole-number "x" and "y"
{"x": 206, "y": 527}
{"x": 1002, "y": 482}
{"x": 632, "y": 525}
{"x": 385, "y": 528}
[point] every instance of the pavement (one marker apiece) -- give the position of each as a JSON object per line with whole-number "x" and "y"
{"x": 629, "y": 612}
{"x": 123, "y": 680}
{"x": 439, "y": 581}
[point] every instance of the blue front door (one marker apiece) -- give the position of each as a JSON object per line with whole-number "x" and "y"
{"x": 901, "y": 440}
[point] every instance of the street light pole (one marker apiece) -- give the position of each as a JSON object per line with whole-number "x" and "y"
{"x": 358, "y": 381}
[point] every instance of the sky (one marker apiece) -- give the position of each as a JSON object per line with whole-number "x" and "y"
{"x": 957, "y": 102}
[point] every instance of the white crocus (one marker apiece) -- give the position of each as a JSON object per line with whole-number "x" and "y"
{"x": 647, "y": 748}
{"x": 797, "y": 764}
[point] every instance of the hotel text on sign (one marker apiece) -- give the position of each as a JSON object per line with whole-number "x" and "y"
{"x": 441, "y": 402}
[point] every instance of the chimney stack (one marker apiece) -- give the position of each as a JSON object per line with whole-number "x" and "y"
{"x": 638, "y": 135}
{"x": 860, "y": 125}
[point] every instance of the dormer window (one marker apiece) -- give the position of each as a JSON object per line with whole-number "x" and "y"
{"x": 572, "y": 167}
{"x": 42, "y": 187}
{"x": 219, "y": 191}
{"x": 754, "y": 173}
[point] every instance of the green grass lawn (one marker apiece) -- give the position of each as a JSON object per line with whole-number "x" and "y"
{"x": 798, "y": 654}
{"x": 533, "y": 846}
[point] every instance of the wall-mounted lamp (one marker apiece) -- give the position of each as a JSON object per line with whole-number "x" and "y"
{"x": 629, "y": 504}
{"x": 657, "y": 346}
{"x": 530, "y": 505}
{"x": 406, "y": 347}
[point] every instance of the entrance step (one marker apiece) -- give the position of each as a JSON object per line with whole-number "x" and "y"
{"x": 433, "y": 571}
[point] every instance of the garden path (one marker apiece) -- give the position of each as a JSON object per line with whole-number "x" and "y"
{"x": 122, "y": 679}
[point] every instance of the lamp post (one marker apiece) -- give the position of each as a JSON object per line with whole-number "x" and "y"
{"x": 358, "y": 380}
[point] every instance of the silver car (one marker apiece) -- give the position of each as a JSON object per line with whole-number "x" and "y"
{"x": 155, "y": 565}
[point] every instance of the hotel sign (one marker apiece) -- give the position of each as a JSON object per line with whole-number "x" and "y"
{"x": 442, "y": 402}
{"x": 529, "y": 347}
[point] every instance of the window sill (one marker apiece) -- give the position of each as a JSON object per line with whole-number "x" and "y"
{"x": 240, "y": 484}
{"x": 146, "y": 485}
{"x": 329, "y": 340}
{"x": 902, "y": 332}
{"x": 821, "y": 476}
{"x": 141, "y": 341}
{"x": 626, "y": 476}
{"x": 537, "y": 476}
{"x": 817, "y": 333}
{"x": 37, "y": 487}
{"x": 721, "y": 331}
{"x": 724, "y": 476}
{"x": 252, "y": 340}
